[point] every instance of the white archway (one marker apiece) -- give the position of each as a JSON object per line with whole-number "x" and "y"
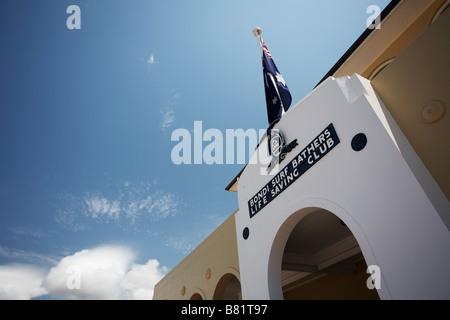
{"x": 299, "y": 210}
{"x": 316, "y": 244}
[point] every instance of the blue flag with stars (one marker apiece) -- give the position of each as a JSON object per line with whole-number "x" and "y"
{"x": 278, "y": 97}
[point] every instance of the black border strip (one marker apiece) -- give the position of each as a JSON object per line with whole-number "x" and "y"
{"x": 358, "y": 42}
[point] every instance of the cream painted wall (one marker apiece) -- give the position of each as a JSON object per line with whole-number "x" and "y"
{"x": 413, "y": 87}
{"x": 201, "y": 271}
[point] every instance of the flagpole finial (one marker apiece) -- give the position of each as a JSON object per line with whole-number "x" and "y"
{"x": 257, "y": 31}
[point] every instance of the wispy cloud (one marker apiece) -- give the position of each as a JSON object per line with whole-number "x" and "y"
{"x": 183, "y": 245}
{"x": 126, "y": 204}
{"x": 168, "y": 118}
{"x": 70, "y": 211}
{"x": 24, "y": 256}
{"x": 102, "y": 207}
{"x": 28, "y": 232}
{"x": 156, "y": 206}
{"x": 168, "y": 110}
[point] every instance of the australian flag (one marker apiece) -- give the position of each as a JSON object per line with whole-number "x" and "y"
{"x": 278, "y": 96}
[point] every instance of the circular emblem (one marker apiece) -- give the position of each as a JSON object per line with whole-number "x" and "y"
{"x": 276, "y": 143}
{"x": 432, "y": 112}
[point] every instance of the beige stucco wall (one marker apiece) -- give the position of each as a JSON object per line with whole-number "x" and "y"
{"x": 415, "y": 88}
{"x": 199, "y": 274}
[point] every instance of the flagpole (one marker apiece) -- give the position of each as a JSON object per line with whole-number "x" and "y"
{"x": 257, "y": 33}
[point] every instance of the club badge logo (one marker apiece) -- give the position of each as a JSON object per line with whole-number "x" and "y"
{"x": 278, "y": 147}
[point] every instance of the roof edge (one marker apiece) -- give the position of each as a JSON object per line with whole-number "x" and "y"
{"x": 389, "y": 8}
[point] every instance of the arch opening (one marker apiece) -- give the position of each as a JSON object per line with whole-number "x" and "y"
{"x": 441, "y": 10}
{"x": 380, "y": 68}
{"x": 196, "y": 296}
{"x": 228, "y": 288}
{"x": 321, "y": 259}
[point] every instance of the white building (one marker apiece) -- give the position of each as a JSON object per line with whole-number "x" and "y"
{"x": 368, "y": 183}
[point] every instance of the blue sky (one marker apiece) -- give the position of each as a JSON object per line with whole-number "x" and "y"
{"x": 86, "y": 118}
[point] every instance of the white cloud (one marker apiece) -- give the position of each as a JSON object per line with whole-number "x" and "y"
{"x": 105, "y": 272}
{"x": 102, "y": 273}
{"x": 21, "y": 282}
{"x": 139, "y": 282}
{"x": 98, "y": 271}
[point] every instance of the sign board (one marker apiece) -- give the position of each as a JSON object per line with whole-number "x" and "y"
{"x": 301, "y": 163}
